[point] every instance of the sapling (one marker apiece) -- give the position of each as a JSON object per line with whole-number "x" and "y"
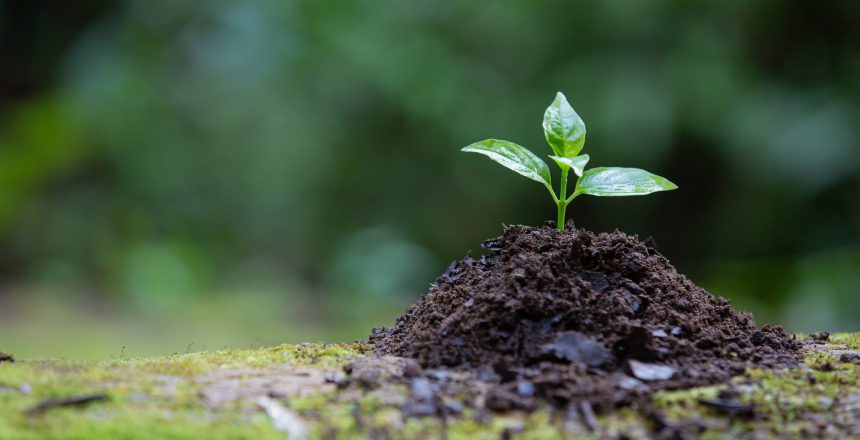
{"x": 565, "y": 132}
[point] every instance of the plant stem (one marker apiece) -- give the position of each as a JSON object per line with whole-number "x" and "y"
{"x": 562, "y": 203}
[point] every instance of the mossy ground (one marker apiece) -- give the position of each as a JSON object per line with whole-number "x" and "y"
{"x": 212, "y": 395}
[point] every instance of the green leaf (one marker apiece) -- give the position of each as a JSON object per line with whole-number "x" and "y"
{"x": 576, "y": 163}
{"x": 611, "y": 181}
{"x": 563, "y": 128}
{"x": 515, "y": 157}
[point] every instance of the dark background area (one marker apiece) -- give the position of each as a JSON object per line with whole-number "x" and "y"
{"x": 179, "y": 175}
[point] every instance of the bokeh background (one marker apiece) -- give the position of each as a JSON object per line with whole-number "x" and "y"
{"x": 180, "y": 175}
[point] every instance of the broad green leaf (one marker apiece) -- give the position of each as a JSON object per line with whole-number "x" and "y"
{"x": 576, "y": 163}
{"x": 515, "y": 157}
{"x": 563, "y": 128}
{"x": 613, "y": 181}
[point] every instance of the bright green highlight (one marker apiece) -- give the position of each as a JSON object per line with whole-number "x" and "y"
{"x": 565, "y": 133}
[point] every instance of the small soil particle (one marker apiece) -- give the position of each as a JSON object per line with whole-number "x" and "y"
{"x": 730, "y": 407}
{"x": 6, "y": 357}
{"x": 66, "y": 401}
{"x": 643, "y": 371}
{"x": 579, "y": 313}
{"x": 820, "y": 336}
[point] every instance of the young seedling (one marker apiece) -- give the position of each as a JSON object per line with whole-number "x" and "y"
{"x": 565, "y": 133}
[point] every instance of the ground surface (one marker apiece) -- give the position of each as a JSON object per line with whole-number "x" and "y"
{"x": 305, "y": 391}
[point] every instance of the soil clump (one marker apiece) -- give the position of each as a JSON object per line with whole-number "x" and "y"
{"x": 573, "y": 317}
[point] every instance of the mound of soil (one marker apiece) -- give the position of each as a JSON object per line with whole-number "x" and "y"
{"x": 572, "y": 316}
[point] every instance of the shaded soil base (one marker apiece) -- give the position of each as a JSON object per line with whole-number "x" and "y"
{"x": 344, "y": 391}
{"x": 573, "y": 318}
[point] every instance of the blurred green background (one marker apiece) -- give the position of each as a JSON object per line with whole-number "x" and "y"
{"x": 184, "y": 175}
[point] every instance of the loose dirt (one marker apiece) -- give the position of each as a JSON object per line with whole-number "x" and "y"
{"x": 573, "y": 317}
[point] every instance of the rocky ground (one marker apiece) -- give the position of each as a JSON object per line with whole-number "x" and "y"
{"x": 346, "y": 391}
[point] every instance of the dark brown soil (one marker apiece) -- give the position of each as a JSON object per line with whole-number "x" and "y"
{"x": 575, "y": 317}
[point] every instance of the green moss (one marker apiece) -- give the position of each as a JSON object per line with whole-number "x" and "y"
{"x": 161, "y": 398}
{"x": 850, "y": 340}
{"x": 316, "y": 402}
{"x": 149, "y": 398}
{"x": 134, "y": 421}
{"x": 787, "y": 402}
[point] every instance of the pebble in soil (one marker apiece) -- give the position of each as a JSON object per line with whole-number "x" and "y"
{"x": 572, "y": 317}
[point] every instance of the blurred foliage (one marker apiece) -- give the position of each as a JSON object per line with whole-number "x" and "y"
{"x": 152, "y": 153}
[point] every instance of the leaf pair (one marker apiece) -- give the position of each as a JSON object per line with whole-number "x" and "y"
{"x": 565, "y": 133}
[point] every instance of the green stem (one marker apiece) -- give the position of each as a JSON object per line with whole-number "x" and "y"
{"x": 562, "y": 204}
